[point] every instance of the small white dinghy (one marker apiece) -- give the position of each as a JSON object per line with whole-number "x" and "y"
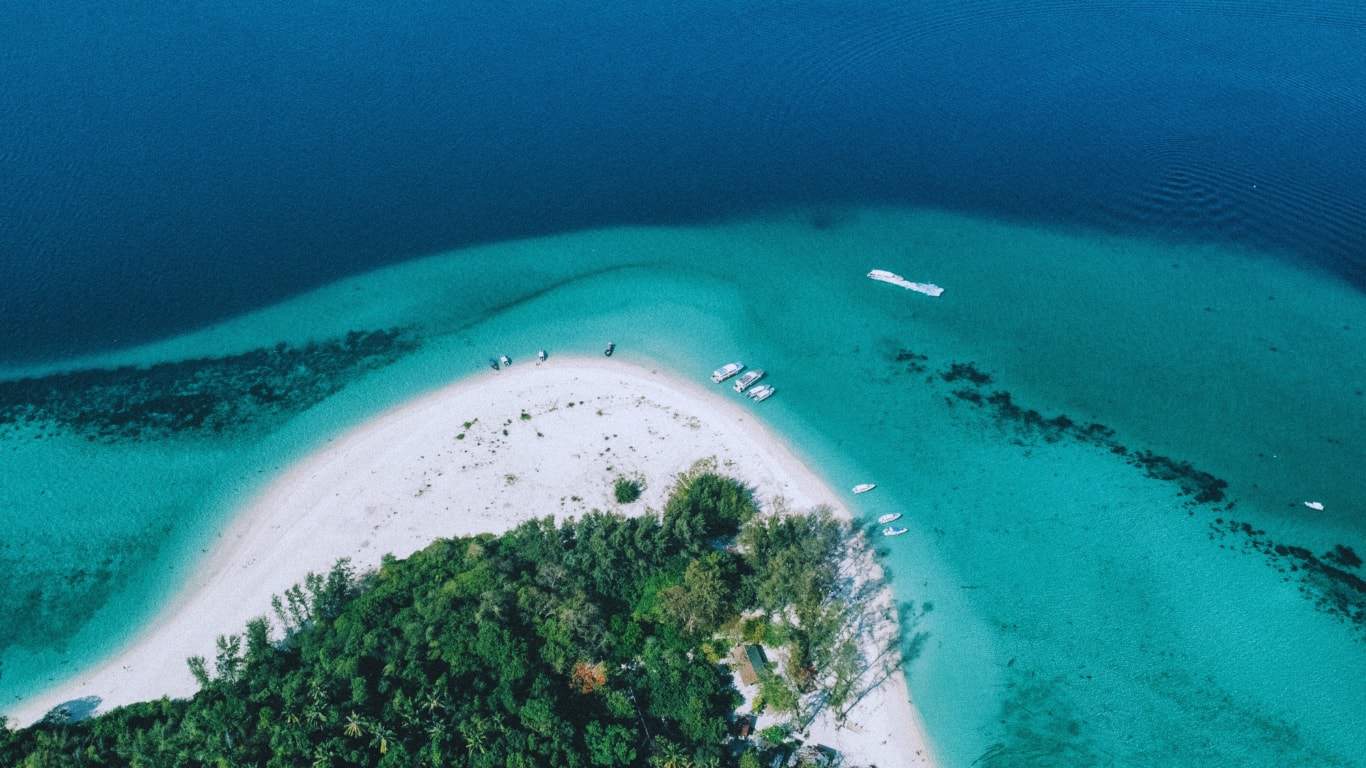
{"x": 760, "y": 393}
{"x": 864, "y": 487}
{"x": 893, "y": 530}
{"x": 1317, "y": 506}
{"x": 890, "y": 517}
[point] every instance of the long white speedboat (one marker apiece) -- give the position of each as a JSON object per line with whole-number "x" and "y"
{"x": 893, "y": 531}
{"x": 890, "y": 517}
{"x": 761, "y": 393}
{"x": 864, "y": 487}
{"x": 726, "y": 371}
{"x": 747, "y": 378}
{"x": 892, "y": 278}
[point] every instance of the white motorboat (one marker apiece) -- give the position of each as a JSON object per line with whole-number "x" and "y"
{"x": 505, "y": 360}
{"x": 893, "y": 531}
{"x": 1317, "y": 506}
{"x": 726, "y": 371}
{"x": 747, "y": 378}
{"x": 541, "y": 356}
{"x": 890, "y": 517}
{"x": 760, "y": 393}
{"x": 864, "y": 487}
{"x": 892, "y": 278}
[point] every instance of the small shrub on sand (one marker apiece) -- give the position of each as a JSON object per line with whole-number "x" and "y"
{"x": 626, "y": 490}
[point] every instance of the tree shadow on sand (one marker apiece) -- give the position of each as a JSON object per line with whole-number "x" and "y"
{"x": 73, "y": 711}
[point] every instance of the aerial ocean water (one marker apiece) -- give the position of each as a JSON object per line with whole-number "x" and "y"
{"x": 230, "y": 231}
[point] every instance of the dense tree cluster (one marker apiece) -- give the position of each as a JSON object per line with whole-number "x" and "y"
{"x": 593, "y": 642}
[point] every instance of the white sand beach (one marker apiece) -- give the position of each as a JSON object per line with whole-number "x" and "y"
{"x": 480, "y": 455}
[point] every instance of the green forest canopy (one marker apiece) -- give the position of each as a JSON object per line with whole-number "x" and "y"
{"x": 595, "y": 642}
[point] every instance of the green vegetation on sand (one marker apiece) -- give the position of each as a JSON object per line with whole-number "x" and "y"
{"x": 595, "y": 642}
{"x": 626, "y": 490}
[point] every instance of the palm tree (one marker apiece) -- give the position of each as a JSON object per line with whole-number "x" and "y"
{"x": 353, "y": 724}
{"x": 670, "y": 755}
{"x": 379, "y": 738}
{"x": 474, "y": 731}
{"x": 437, "y": 732}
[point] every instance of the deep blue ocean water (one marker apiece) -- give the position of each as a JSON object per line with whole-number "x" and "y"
{"x": 166, "y": 164}
{"x": 1149, "y": 217}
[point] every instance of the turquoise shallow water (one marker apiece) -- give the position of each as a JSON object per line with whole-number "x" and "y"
{"x": 1070, "y": 599}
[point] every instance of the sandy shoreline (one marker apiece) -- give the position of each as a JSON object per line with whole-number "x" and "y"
{"x": 480, "y": 455}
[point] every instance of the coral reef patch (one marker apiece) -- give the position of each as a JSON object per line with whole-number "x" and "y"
{"x": 1330, "y": 580}
{"x": 200, "y": 396}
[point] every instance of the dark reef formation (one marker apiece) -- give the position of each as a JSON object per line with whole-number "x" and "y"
{"x": 915, "y": 362}
{"x": 1028, "y": 423}
{"x": 1327, "y": 579}
{"x": 206, "y": 396}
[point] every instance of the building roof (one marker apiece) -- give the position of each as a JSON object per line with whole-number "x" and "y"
{"x": 751, "y": 662}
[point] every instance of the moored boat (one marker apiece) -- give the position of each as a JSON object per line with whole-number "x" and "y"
{"x": 541, "y": 356}
{"x": 611, "y": 347}
{"x": 493, "y": 363}
{"x": 760, "y": 393}
{"x": 748, "y": 378}
{"x": 505, "y": 360}
{"x": 864, "y": 487}
{"x": 893, "y": 530}
{"x": 890, "y": 517}
{"x": 726, "y": 371}
{"x": 892, "y": 278}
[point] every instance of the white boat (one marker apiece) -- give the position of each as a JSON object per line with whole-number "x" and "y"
{"x": 541, "y": 356}
{"x": 890, "y": 517}
{"x": 726, "y": 371}
{"x": 892, "y": 278}
{"x": 1317, "y": 506}
{"x": 893, "y": 531}
{"x": 749, "y": 377}
{"x": 505, "y": 360}
{"x": 760, "y": 393}
{"x": 864, "y": 487}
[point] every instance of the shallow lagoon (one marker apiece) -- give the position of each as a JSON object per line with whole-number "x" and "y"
{"x": 1066, "y": 601}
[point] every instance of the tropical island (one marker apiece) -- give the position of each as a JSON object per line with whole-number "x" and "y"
{"x": 678, "y": 617}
